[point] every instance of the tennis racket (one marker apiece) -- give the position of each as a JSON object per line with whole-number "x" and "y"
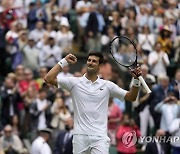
{"x": 124, "y": 52}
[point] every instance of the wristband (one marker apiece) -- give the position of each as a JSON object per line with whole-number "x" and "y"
{"x": 63, "y": 62}
{"x": 136, "y": 83}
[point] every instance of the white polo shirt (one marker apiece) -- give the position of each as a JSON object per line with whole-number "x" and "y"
{"x": 90, "y": 102}
{"x": 39, "y": 146}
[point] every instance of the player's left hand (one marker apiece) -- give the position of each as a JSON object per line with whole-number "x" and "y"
{"x": 136, "y": 72}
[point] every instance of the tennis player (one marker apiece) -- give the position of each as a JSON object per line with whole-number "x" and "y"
{"x": 90, "y": 96}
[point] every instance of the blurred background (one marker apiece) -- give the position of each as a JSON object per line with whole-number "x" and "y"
{"x": 36, "y": 34}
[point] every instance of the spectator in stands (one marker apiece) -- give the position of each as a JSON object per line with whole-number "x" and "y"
{"x": 92, "y": 31}
{"x": 49, "y": 8}
{"x": 37, "y": 33}
{"x": 40, "y": 144}
{"x": 22, "y": 40}
{"x": 106, "y": 71}
{"x": 114, "y": 119}
{"x": 41, "y": 74}
{"x": 8, "y": 15}
{"x": 169, "y": 110}
{"x": 142, "y": 56}
{"x": 178, "y": 25}
{"x": 144, "y": 117}
{"x": 29, "y": 98}
{"x": 128, "y": 20}
{"x": 65, "y": 5}
{"x": 174, "y": 129}
{"x": 11, "y": 46}
{"x": 176, "y": 83}
{"x": 158, "y": 60}
{"x": 176, "y": 47}
{"x": 27, "y": 82}
{"x": 128, "y": 126}
{"x": 131, "y": 33}
{"x": 9, "y": 142}
{"x": 31, "y": 55}
{"x": 31, "y": 17}
{"x": 146, "y": 74}
{"x": 12, "y": 76}
{"x": 49, "y": 30}
{"x": 172, "y": 25}
{"x": 16, "y": 125}
{"x": 109, "y": 6}
{"x": 12, "y": 34}
{"x": 60, "y": 114}
{"x": 82, "y": 9}
{"x": 43, "y": 41}
{"x": 119, "y": 82}
{"x": 54, "y": 21}
{"x": 146, "y": 39}
{"x": 64, "y": 140}
{"x": 65, "y": 36}
{"x": 157, "y": 147}
{"x": 142, "y": 17}
{"x": 3, "y": 53}
{"x": 40, "y": 12}
{"x": 19, "y": 72}
{"x": 165, "y": 40}
{"x": 106, "y": 38}
{"x": 39, "y": 111}
{"x": 115, "y": 22}
{"x": 159, "y": 92}
{"x": 10, "y": 98}
{"x": 50, "y": 53}
{"x": 65, "y": 72}
{"x": 172, "y": 13}
{"x": 59, "y": 16}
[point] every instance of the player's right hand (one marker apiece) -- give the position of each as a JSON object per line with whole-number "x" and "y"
{"x": 71, "y": 59}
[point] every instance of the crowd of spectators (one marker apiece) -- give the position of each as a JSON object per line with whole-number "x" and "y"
{"x": 36, "y": 34}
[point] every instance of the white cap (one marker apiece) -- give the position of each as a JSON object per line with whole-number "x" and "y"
{"x": 64, "y": 22}
{"x": 30, "y": 37}
{"x": 46, "y": 130}
{"x": 104, "y": 40}
{"x": 52, "y": 35}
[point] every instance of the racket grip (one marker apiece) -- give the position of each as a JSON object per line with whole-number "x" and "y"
{"x": 144, "y": 84}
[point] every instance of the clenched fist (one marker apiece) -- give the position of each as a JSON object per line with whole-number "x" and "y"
{"x": 71, "y": 59}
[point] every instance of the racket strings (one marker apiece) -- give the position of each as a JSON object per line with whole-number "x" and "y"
{"x": 123, "y": 51}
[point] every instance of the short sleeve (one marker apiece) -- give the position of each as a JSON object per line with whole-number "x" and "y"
{"x": 116, "y": 91}
{"x": 65, "y": 83}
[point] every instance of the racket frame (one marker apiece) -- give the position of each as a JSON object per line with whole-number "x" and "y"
{"x": 133, "y": 65}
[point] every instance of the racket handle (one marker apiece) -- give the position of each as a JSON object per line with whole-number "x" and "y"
{"x": 144, "y": 84}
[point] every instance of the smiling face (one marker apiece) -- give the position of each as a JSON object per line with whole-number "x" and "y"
{"x": 93, "y": 65}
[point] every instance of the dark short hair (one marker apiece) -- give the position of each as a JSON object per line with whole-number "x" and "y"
{"x": 43, "y": 90}
{"x": 97, "y": 54}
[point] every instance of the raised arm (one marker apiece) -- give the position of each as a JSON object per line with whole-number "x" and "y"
{"x": 133, "y": 92}
{"x": 50, "y": 77}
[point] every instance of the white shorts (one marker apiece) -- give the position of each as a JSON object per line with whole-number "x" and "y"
{"x": 90, "y": 144}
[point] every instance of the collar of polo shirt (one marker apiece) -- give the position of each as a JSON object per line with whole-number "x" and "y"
{"x": 85, "y": 80}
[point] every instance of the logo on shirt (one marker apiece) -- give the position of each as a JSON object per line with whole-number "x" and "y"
{"x": 101, "y": 88}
